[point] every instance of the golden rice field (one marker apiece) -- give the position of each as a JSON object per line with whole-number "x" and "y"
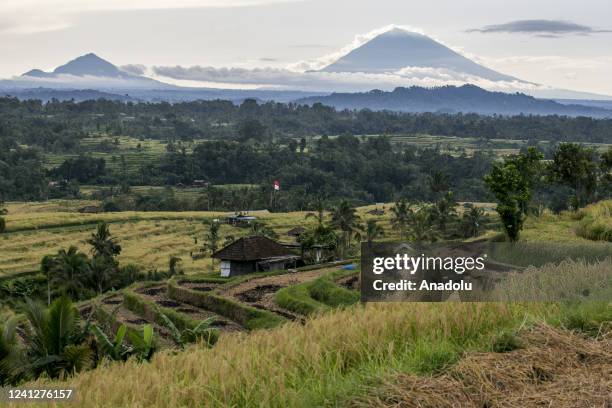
{"x": 149, "y": 239}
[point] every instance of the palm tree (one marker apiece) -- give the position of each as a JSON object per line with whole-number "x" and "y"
{"x": 54, "y": 339}
{"x": 345, "y": 218}
{"x": 3, "y": 211}
{"x": 10, "y": 354}
{"x": 101, "y": 273}
{"x": 212, "y": 239}
{"x": 70, "y": 271}
{"x": 319, "y": 215}
{"x": 444, "y": 210}
{"x": 259, "y": 228}
{"x": 472, "y": 220}
{"x": 47, "y": 264}
{"x": 103, "y": 244}
{"x": 438, "y": 182}
{"x": 422, "y": 229}
{"x": 373, "y": 231}
{"x": 400, "y": 216}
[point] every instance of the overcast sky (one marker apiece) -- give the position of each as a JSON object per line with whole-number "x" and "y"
{"x": 565, "y": 44}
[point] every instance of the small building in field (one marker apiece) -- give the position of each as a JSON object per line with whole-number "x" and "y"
{"x": 240, "y": 220}
{"x": 296, "y": 232}
{"x": 90, "y": 209}
{"x": 254, "y": 254}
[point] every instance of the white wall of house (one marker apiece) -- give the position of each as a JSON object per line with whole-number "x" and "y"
{"x": 226, "y": 268}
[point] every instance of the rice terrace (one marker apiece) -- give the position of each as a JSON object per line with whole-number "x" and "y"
{"x": 387, "y": 224}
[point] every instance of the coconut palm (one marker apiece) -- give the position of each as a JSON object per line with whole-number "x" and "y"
{"x": 70, "y": 271}
{"x": 3, "y": 211}
{"x": 400, "y": 217}
{"x": 421, "y": 226}
{"x": 472, "y": 220}
{"x": 345, "y": 218}
{"x": 444, "y": 211}
{"x": 211, "y": 240}
{"x": 259, "y": 228}
{"x": 101, "y": 273}
{"x": 54, "y": 339}
{"x": 373, "y": 231}
{"x": 103, "y": 244}
{"x": 46, "y": 267}
{"x": 438, "y": 182}
{"x": 10, "y": 354}
{"x": 319, "y": 215}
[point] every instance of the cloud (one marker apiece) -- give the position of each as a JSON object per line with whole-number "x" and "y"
{"x": 136, "y": 69}
{"x": 36, "y": 16}
{"x": 540, "y": 28}
{"x": 280, "y": 78}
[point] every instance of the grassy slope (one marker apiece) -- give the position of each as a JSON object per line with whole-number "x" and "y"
{"x": 329, "y": 361}
{"x": 336, "y": 356}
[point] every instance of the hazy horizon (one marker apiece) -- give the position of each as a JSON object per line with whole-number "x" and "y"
{"x": 557, "y": 44}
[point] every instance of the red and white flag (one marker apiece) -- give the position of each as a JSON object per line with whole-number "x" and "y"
{"x": 276, "y": 185}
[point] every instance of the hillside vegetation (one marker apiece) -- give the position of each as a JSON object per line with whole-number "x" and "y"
{"x": 336, "y": 358}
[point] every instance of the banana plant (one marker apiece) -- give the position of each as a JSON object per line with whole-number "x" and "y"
{"x": 114, "y": 350}
{"x": 201, "y": 331}
{"x": 144, "y": 346}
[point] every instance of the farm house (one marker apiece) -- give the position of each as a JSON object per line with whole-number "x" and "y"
{"x": 254, "y": 254}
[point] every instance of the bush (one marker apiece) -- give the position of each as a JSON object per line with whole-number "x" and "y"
{"x": 2, "y": 225}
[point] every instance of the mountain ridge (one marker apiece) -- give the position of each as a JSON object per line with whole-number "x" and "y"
{"x": 452, "y": 99}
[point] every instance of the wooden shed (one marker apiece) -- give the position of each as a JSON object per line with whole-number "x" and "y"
{"x": 254, "y": 254}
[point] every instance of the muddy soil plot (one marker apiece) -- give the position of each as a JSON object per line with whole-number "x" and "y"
{"x": 199, "y": 286}
{"x": 131, "y": 319}
{"x": 259, "y": 292}
{"x": 158, "y": 294}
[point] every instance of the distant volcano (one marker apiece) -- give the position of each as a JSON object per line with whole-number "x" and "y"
{"x": 87, "y": 72}
{"x": 397, "y": 49}
{"x": 85, "y": 65}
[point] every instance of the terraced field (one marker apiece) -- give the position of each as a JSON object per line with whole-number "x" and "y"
{"x": 458, "y": 145}
{"x": 136, "y": 153}
{"x": 236, "y": 304}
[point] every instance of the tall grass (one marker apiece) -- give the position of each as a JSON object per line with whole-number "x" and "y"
{"x": 325, "y": 360}
{"x": 596, "y": 222}
{"x": 567, "y": 281}
{"x": 332, "y": 358}
{"x": 538, "y": 253}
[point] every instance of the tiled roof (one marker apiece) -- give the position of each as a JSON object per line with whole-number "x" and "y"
{"x": 252, "y": 248}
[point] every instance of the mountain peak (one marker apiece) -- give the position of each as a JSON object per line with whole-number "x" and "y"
{"x": 396, "y": 49}
{"x": 90, "y": 64}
